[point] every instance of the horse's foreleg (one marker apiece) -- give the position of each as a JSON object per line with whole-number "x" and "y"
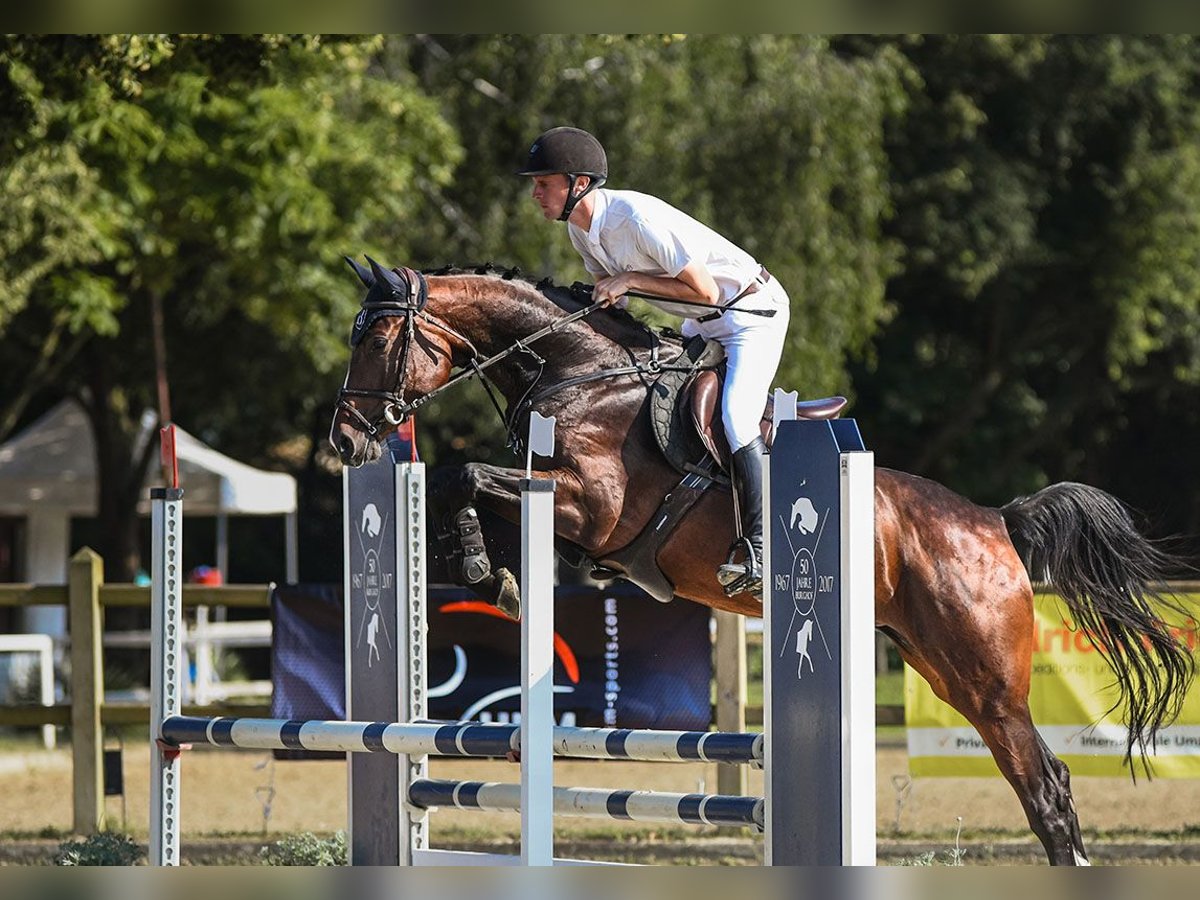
{"x": 459, "y": 491}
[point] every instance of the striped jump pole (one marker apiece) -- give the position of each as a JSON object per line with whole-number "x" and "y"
{"x": 594, "y": 803}
{"x": 463, "y": 739}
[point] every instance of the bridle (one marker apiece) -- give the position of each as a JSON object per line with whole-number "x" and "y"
{"x": 400, "y": 292}
{"x": 404, "y": 292}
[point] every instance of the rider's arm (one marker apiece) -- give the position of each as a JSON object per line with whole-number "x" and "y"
{"x": 694, "y": 283}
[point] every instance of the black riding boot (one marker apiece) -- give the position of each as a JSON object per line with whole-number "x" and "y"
{"x": 745, "y": 577}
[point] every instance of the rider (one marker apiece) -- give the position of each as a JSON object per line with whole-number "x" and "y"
{"x": 631, "y": 241}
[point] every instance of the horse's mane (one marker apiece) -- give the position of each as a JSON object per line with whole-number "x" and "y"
{"x": 567, "y": 297}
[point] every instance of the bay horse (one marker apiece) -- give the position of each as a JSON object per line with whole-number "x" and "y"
{"x": 951, "y": 588}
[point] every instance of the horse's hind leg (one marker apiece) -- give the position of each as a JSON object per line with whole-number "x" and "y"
{"x": 1041, "y": 781}
{"x": 993, "y": 698}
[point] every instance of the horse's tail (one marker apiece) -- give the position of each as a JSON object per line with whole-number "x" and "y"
{"x": 1085, "y": 544}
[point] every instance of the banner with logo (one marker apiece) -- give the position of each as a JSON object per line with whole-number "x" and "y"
{"x": 1071, "y": 691}
{"x": 621, "y": 658}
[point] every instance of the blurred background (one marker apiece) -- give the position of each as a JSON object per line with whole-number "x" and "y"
{"x": 991, "y": 242}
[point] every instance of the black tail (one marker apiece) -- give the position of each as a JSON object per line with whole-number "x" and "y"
{"x": 1084, "y": 543}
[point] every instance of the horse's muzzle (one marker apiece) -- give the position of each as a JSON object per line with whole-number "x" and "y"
{"x": 352, "y": 446}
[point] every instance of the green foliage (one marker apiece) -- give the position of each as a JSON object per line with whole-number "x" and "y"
{"x": 306, "y": 849}
{"x": 773, "y": 140}
{"x": 990, "y": 241}
{"x": 223, "y": 177}
{"x": 1045, "y": 191}
{"x": 104, "y": 849}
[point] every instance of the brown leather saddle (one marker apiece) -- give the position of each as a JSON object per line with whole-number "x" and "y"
{"x": 685, "y": 411}
{"x": 702, "y": 398}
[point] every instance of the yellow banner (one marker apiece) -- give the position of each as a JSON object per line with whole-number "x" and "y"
{"x": 1071, "y": 690}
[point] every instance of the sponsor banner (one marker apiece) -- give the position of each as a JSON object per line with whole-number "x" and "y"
{"x": 1071, "y": 692}
{"x": 621, "y": 659}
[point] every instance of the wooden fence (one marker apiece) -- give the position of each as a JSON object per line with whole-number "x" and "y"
{"x": 86, "y": 596}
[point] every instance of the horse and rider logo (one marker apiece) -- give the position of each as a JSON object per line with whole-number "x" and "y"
{"x": 804, "y": 514}
{"x": 371, "y": 581}
{"x": 804, "y": 583}
{"x": 372, "y": 521}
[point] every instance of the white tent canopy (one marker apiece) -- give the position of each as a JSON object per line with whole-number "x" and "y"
{"x": 48, "y": 476}
{"x": 52, "y": 464}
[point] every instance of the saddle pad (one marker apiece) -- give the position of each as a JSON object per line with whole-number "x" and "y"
{"x": 672, "y": 427}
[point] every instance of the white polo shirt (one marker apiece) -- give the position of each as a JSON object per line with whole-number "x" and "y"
{"x": 635, "y": 232}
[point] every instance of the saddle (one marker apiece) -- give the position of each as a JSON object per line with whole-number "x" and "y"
{"x": 685, "y": 412}
{"x": 686, "y": 420}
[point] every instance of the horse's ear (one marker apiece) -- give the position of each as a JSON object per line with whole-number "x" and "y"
{"x": 363, "y": 273}
{"x": 386, "y": 277}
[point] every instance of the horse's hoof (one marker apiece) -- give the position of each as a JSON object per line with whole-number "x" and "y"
{"x": 508, "y": 594}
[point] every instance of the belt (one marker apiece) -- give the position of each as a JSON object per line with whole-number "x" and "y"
{"x": 753, "y": 287}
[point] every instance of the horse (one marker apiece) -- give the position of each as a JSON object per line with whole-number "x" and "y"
{"x": 953, "y": 580}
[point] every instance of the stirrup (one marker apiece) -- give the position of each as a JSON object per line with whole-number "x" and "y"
{"x": 741, "y": 577}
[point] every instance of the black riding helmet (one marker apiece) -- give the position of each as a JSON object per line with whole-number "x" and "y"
{"x": 571, "y": 152}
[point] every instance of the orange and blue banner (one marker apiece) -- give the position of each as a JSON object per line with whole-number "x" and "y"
{"x": 1071, "y": 692}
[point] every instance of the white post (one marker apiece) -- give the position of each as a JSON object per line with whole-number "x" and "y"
{"x": 46, "y": 660}
{"x": 202, "y": 656}
{"x": 537, "y": 671}
{"x": 166, "y": 668}
{"x": 47, "y": 546}
{"x": 858, "y": 658}
{"x": 411, "y": 644}
{"x": 784, "y": 411}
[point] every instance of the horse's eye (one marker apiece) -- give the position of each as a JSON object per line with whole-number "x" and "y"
{"x": 379, "y": 344}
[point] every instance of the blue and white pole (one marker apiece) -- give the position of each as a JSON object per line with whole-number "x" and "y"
{"x": 463, "y": 739}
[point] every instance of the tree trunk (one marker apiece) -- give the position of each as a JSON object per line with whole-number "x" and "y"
{"x": 119, "y": 476}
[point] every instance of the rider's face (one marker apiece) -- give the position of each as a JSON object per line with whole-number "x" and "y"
{"x": 550, "y": 194}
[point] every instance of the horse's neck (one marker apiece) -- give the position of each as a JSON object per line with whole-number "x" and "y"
{"x": 494, "y": 314}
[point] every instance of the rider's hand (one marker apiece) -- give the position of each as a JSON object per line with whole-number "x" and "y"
{"x": 611, "y": 289}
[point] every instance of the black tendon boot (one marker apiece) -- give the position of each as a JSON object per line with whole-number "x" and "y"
{"x": 745, "y": 577}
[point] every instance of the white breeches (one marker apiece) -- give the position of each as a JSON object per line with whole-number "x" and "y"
{"x": 753, "y": 346}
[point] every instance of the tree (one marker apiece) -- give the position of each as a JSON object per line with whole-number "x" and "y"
{"x": 775, "y": 141}
{"x": 1047, "y": 194}
{"x": 224, "y": 176}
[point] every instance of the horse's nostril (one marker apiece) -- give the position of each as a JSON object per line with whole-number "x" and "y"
{"x": 346, "y": 447}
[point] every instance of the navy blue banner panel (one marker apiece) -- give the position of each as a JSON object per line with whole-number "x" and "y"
{"x": 805, "y": 596}
{"x": 621, "y": 659}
